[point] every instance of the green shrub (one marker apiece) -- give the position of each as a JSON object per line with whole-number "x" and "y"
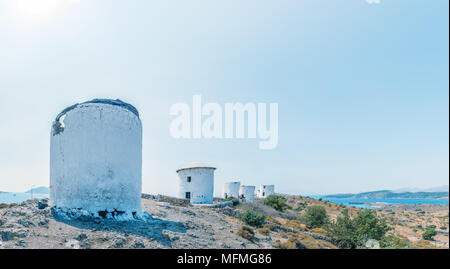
{"x": 353, "y": 233}
{"x": 3, "y": 205}
{"x": 252, "y": 218}
{"x": 234, "y": 200}
{"x": 429, "y": 234}
{"x": 246, "y": 232}
{"x": 314, "y": 217}
{"x": 277, "y": 202}
{"x": 394, "y": 242}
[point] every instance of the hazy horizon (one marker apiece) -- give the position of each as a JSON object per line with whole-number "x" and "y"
{"x": 217, "y": 192}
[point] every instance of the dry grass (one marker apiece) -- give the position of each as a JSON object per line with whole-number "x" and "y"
{"x": 263, "y": 231}
{"x": 285, "y": 245}
{"x": 246, "y": 232}
{"x": 302, "y": 241}
{"x": 270, "y": 227}
{"x": 422, "y": 244}
{"x": 294, "y": 224}
{"x": 320, "y": 231}
{"x": 272, "y": 219}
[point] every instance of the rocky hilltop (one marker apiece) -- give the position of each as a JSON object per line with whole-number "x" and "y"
{"x": 174, "y": 223}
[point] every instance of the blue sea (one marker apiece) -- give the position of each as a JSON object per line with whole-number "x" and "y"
{"x": 348, "y": 201}
{"x": 18, "y": 197}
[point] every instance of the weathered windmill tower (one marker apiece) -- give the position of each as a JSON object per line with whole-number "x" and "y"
{"x": 247, "y": 193}
{"x": 196, "y": 183}
{"x": 231, "y": 189}
{"x": 96, "y": 158}
{"x": 265, "y": 190}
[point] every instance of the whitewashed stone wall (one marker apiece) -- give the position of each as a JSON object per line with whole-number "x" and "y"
{"x": 200, "y": 186}
{"x": 247, "y": 193}
{"x": 265, "y": 190}
{"x": 96, "y": 158}
{"x": 231, "y": 189}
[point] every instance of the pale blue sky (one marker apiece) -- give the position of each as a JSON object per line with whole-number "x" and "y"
{"x": 362, "y": 88}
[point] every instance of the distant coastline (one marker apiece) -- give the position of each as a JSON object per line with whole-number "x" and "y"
{"x": 368, "y": 200}
{"x": 40, "y": 190}
{"x": 379, "y": 203}
{"x": 387, "y": 194}
{"x": 19, "y": 197}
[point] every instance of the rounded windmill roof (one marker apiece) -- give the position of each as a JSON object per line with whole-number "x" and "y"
{"x": 112, "y": 102}
{"x": 195, "y": 165}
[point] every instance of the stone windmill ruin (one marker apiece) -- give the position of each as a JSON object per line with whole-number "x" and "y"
{"x": 96, "y": 159}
